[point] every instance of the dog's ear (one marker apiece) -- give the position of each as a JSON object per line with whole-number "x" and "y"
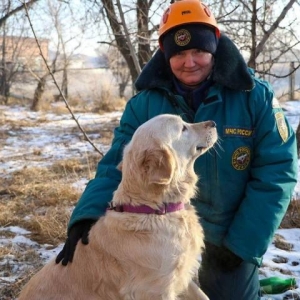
{"x": 159, "y": 165}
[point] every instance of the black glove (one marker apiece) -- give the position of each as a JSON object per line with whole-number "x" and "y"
{"x": 220, "y": 257}
{"x": 79, "y": 230}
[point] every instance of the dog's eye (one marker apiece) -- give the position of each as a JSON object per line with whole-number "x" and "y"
{"x": 184, "y": 128}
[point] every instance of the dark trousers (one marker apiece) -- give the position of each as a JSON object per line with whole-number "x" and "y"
{"x": 240, "y": 284}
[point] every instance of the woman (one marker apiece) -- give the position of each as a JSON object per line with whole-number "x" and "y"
{"x": 245, "y": 184}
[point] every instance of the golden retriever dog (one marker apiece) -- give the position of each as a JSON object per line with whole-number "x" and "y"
{"x": 147, "y": 245}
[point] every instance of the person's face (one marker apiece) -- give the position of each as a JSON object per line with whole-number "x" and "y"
{"x": 192, "y": 66}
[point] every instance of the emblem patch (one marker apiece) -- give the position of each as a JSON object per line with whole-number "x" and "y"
{"x": 238, "y": 132}
{"x": 281, "y": 125}
{"x": 241, "y": 158}
{"x": 182, "y": 37}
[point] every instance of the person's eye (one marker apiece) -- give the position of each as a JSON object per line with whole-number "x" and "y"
{"x": 179, "y": 53}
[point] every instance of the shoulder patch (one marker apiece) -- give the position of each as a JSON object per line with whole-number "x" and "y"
{"x": 241, "y": 158}
{"x": 281, "y": 126}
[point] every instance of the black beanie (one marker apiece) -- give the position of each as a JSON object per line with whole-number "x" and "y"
{"x": 189, "y": 36}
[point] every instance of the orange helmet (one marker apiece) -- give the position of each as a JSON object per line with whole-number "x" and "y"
{"x": 184, "y": 12}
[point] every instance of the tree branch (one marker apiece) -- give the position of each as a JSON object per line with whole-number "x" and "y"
{"x": 132, "y": 52}
{"x": 56, "y": 84}
{"x": 14, "y": 11}
{"x": 274, "y": 26}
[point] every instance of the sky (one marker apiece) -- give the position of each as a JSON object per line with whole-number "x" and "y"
{"x": 58, "y": 137}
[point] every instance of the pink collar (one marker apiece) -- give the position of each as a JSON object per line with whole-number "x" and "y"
{"x": 144, "y": 209}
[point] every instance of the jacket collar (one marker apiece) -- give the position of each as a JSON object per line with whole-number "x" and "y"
{"x": 230, "y": 69}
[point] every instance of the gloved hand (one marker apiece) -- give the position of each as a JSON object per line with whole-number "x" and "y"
{"x": 221, "y": 258}
{"x": 79, "y": 230}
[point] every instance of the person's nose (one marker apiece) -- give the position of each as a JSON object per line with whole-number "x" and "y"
{"x": 189, "y": 60}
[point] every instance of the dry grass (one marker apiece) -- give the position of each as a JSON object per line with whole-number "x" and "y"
{"x": 101, "y": 99}
{"x": 281, "y": 243}
{"x": 39, "y": 200}
{"x": 292, "y": 217}
{"x": 108, "y": 102}
{"x": 34, "y": 198}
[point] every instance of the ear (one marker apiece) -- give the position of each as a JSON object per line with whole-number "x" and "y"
{"x": 159, "y": 165}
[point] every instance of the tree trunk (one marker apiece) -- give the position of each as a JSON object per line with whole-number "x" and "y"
{"x": 38, "y": 93}
{"x": 119, "y": 37}
{"x": 253, "y": 53}
{"x": 64, "y": 86}
{"x": 122, "y": 87}
{"x": 144, "y": 51}
{"x": 4, "y": 89}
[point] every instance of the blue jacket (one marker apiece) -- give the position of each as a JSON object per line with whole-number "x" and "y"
{"x": 246, "y": 181}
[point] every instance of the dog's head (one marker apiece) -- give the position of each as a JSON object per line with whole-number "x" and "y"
{"x": 162, "y": 152}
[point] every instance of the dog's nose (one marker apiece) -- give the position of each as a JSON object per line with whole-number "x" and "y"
{"x": 211, "y": 124}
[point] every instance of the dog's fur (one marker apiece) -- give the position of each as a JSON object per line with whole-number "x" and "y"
{"x": 135, "y": 255}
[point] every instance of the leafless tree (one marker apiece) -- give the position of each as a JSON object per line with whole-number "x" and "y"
{"x": 120, "y": 71}
{"x": 130, "y": 28}
{"x": 41, "y": 82}
{"x": 265, "y": 30}
{"x": 63, "y": 17}
{"x": 11, "y": 21}
{"x": 10, "y": 8}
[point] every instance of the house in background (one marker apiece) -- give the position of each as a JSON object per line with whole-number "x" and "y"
{"x": 23, "y": 52}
